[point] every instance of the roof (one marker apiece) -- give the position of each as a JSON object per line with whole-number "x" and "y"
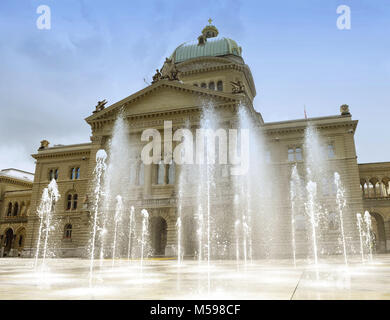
{"x": 63, "y": 149}
{"x": 17, "y": 174}
{"x": 337, "y": 120}
{"x": 164, "y": 84}
{"x": 213, "y": 47}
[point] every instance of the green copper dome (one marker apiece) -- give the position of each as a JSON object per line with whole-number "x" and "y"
{"x": 212, "y": 47}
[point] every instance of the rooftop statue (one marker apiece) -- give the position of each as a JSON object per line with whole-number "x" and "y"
{"x": 237, "y": 87}
{"x": 100, "y": 106}
{"x": 167, "y": 72}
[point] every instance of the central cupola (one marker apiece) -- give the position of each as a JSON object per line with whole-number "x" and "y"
{"x": 211, "y": 62}
{"x": 209, "y": 31}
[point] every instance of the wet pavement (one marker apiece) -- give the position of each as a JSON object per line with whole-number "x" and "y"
{"x": 164, "y": 279}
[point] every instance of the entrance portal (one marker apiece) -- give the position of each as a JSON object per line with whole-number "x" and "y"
{"x": 9, "y": 236}
{"x": 378, "y": 227}
{"x": 158, "y": 235}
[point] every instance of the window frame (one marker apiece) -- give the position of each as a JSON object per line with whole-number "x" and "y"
{"x": 68, "y": 231}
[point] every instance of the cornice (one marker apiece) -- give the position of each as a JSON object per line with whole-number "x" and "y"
{"x": 56, "y": 153}
{"x": 301, "y": 126}
{"x": 111, "y": 110}
{"x": 157, "y": 116}
{"x": 15, "y": 181}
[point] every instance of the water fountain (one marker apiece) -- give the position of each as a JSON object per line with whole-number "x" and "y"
{"x": 116, "y": 179}
{"x": 312, "y": 212}
{"x": 237, "y": 235}
{"x": 100, "y": 168}
{"x": 341, "y": 203}
{"x": 199, "y": 232}
{"x": 236, "y": 216}
{"x": 50, "y": 196}
{"x": 144, "y": 234}
{"x": 117, "y": 220}
{"x": 295, "y": 198}
{"x": 367, "y": 220}
{"x": 179, "y": 234}
{"x": 132, "y": 227}
{"x": 359, "y": 225}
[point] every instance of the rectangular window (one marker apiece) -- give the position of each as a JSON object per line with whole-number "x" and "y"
{"x": 291, "y": 157}
{"x": 53, "y": 174}
{"x": 331, "y": 153}
{"x": 298, "y": 154}
{"x": 295, "y": 154}
{"x": 74, "y": 173}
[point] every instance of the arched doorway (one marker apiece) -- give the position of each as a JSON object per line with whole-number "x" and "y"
{"x": 378, "y": 227}
{"x": 9, "y": 236}
{"x": 189, "y": 235}
{"x": 20, "y": 238}
{"x": 158, "y": 235}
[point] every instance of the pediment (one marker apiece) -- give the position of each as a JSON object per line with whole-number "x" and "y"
{"x": 164, "y": 96}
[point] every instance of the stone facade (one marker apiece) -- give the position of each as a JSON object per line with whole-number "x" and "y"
{"x": 226, "y": 81}
{"x": 15, "y": 205}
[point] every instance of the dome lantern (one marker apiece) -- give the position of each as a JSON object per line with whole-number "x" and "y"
{"x": 210, "y": 31}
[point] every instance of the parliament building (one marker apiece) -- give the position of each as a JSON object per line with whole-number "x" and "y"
{"x": 211, "y": 68}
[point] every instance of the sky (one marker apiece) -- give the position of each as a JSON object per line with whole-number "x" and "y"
{"x": 51, "y": 80}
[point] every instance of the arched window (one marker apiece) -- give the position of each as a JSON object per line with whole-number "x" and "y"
{"x": 71, "y": 201}
{"x": 212, "y": 85}
{"x": 20, "y": 242}
{"x": 75, "y": 197}
{"x": 219, "y": 86}
{"x": 366, "y": 190}
{"x": 56, "y": 174}
{"x": 9, "y": 211}
{"x": 68, "y": 231}
{"x": 203, "y": 85}
{"x": 374, "y": 188}
{"x": 386, "y": 186}
{"x": 161, "y": 173}
{"x": 378, "y": 189}
{"x": 171, "y": 173}
{"x": 16, "y": 209}
{"x": 20, "y": 235}
{"x": 362, "y": 187}
{"x": 370, "y": 189}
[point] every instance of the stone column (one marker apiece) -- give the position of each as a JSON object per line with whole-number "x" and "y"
{"x": 148, "y": 180}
